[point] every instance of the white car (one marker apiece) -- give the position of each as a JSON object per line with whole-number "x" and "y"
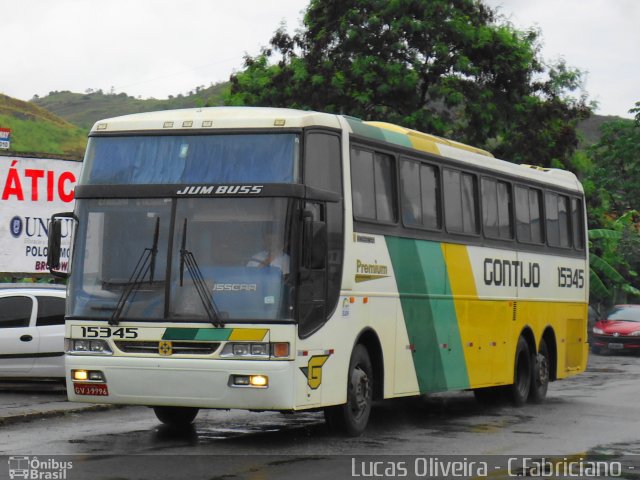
{"x": 32, "y": 330}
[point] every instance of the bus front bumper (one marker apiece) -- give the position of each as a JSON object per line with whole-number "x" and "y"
{"x": 199, "y": 383}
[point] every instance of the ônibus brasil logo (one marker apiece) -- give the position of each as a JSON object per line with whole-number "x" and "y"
{"x": 41, "y": 469}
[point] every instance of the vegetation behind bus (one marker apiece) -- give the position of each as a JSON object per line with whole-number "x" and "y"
{"x": 454, "y": 70}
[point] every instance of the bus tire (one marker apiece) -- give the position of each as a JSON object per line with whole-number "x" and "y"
{"x": 519, "y": 390}
{"x": 176, "y": 416}
{"x": 540, "y": 374}
{"x": 352, "y": 417}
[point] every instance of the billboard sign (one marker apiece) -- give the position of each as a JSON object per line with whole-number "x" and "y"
{"x": 5, "y": 138}
{"x": 31, "y": 190}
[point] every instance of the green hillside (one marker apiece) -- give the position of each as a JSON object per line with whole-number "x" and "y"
{"x": 84, "y": 109}
{"x": 37, "y": 131}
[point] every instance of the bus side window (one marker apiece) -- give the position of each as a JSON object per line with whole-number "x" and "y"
{"x": 577, "y": 223}
{"x": 420, "y": 190}
{"x": 557, "y": 215}
{"x": 460, "y": 202}
{"x": 496, "y": 209}
{"x": 529, "y": 215}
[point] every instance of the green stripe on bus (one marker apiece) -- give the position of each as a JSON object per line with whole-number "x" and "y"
{"x": 429, "y": 314}
{"x": 378, "y": 133}
{"x": 215, "y": 334}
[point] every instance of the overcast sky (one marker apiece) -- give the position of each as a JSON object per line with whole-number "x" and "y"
{"x": 156, "y": 48}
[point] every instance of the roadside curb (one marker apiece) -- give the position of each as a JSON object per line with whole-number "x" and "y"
{"x": 59, "y": 412}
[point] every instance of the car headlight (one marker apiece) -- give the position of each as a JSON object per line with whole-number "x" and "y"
{"x": 635, "y": 334}
{"x": 598, "y": 330}
{"x": 86, "y": 347}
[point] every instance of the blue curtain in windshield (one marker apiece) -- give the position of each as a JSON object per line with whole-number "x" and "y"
{"x": 252, "y": 158}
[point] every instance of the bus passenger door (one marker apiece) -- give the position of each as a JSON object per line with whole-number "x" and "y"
{"x": 312, "y": 287}
{"x": 312, "y": 300}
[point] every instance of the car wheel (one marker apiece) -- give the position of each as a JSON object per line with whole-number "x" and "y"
{"x": 540, "y": 374}
{"x": 352, "y": 417}
{"x": 595, "y": 350}
{"x": 519, "y": 390}
{"x": 176, "y": 416}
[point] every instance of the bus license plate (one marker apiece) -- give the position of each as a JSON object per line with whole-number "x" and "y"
{"x": 96, "y": 389}
{"x": 612, "y": 346}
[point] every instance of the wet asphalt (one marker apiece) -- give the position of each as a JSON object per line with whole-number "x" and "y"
{"x": 589, "y": 415}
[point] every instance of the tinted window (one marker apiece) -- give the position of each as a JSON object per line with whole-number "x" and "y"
{"x": 523, "y": 218}
{"x": 384, "y": 180}
{"x": 430, "y": 186}
{"x": 496, "y": 209}
{"x": 563, "y": 221}
{"x": 420, "y": 188}
{"x": 364, "y": 205}
{"x": 505, "y": 209}
{"x": 452, "y": 200}
{"x": 528, "y": 215}
{"x": 577, "y": 221}
{"x": 372, "y": 181}
{"x": 322, "y": 162}
{"x": 50, "y": 311}
{"x": 551, "y": 212}
{"x": 469, "y": 196}
{"x": 15, "y": 311}
{"x": 460, "y": 200}
{"x": 557, "y": 215}
{"x": 535, "y": 212}
{"x": 218, "y": 158}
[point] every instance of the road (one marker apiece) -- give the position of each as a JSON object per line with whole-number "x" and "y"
{"x": 594, "y": 413}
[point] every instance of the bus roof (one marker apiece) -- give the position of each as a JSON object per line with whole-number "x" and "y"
{"x": 215, "y": 118}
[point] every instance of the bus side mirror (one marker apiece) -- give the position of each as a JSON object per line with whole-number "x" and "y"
{"x": 314, "y": 241}
{"x": 61, "y": 229}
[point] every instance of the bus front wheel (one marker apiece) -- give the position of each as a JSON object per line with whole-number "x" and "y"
{"x": 176, "y": 416}
{"x": 352, "y": 417}
{"x": 519, "y": 391}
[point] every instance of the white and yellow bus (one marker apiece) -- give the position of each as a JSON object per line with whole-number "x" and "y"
{"x": 274, "y": 259}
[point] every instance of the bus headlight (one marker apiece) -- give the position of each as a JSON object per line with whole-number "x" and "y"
{"x": 86, "y": 347}
{"x": 246, "y": 350}
{"x": 256, "y": 381}
{"x": 255, "y": 350}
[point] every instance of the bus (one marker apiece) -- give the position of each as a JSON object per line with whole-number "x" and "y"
{"x": 286, "y": 260}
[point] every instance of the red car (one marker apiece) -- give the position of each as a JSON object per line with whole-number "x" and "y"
{"x": 620, "y": 331}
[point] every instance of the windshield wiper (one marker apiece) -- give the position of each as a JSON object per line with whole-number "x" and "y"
{"x": 187, "y": 258}
{"x": 146, "y": 264}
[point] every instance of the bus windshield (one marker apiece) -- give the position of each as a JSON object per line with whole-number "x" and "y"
{"x": 164, "y": 251}
{"x": 180, "y": 159}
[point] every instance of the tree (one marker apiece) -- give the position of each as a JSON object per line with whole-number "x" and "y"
{"x": 614, "y": 260}
{"x": 612, "y": 186}
{"x": 446, "y": 67}
{"x": 616, "y": 168}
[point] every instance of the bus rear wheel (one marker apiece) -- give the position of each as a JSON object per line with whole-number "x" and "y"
{"x": 540, "y": 374}
{"x": 176, "y": 416}
{"x": 519, "y": 390}
{"x": 352, "y": 417}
